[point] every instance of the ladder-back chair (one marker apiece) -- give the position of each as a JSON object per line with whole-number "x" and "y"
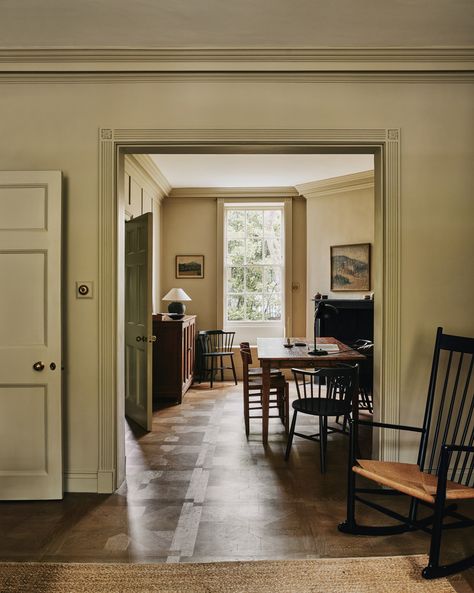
{"x": 444, "y": 472}
{"x": 253, "y": 389}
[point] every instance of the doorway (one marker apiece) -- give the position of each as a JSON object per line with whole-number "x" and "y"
{"x": 383, "y": 144}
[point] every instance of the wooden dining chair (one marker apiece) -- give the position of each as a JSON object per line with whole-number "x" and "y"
{"x": 444, "y": 471}
{"x": 256, "y": 371}
{"x": 253, "y": 389}
{"x": 325, "y": 393}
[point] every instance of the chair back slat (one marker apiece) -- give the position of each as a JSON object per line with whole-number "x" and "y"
{"x": 337, "y": 383}
{"x": 449, "y": 414}
{"x": 216, "y": 340}
{"x": 465, "y": 440}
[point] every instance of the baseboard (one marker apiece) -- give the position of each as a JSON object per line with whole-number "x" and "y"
{"x": 80, "y": 482}
{"x": 105, "y": 482}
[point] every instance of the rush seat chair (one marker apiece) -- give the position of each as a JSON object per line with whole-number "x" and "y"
{"x": 444, "y": 472}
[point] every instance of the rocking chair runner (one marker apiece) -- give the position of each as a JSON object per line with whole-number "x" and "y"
{"x": 445, "y": 468}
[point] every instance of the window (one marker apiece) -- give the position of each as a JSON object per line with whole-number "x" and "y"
{"x": 254, "y": 274}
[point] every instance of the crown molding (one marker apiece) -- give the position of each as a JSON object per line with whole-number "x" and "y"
{"x": 235, "y": 77}
{"x": 153, "y": 172}
{"x": 120, "y": 60}
{"x": 336, "y": 185}
{"x": 236, "y": 193}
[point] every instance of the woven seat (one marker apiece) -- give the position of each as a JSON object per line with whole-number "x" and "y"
{"x": 407, "y": 478}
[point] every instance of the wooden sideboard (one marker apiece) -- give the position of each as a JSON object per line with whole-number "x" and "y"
{"x": 173, "y": 356}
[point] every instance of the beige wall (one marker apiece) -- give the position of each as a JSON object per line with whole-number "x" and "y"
{"x": 55, "y": 126}
{"x": 340, "y": 219}
{"x": 190, "y": 227}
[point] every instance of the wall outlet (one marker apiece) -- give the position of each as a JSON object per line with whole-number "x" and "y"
{"x": 84, "y": 289}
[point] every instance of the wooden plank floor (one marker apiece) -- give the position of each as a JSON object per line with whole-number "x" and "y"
{"x": 198, "y": 491}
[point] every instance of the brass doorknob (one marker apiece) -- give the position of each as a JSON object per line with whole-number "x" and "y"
{"x": 152, "y": 339}
{"x": 38, "y": 366}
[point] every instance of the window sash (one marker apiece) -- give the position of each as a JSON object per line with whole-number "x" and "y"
{"x": 240, "y": 260}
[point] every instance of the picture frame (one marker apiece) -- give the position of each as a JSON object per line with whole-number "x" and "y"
{"x": 350, "y": 267}
{"x": 189, "y": 266}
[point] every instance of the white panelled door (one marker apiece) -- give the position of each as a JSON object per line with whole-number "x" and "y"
{"x": 30, "y": 335}
{"x": 138, "y": 320}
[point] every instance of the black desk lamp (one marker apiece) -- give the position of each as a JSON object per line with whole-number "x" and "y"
{"x": 321, "y": 308}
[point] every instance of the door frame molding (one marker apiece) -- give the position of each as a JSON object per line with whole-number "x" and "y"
{"x": 384, "y": 143}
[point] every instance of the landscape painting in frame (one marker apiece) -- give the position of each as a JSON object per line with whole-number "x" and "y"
{"x": 350, "y": 267}
{"x": 190, "y": 266}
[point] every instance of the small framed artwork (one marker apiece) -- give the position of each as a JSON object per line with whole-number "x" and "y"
{"x": 190, "y": 266}
{"x": 350, "y": 267}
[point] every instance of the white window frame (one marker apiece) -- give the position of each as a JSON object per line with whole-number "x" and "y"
{"x": 250, "y": 330}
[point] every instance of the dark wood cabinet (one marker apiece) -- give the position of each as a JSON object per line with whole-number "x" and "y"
{"x": 173, "y": 356}
{"x": 354, "y": 320}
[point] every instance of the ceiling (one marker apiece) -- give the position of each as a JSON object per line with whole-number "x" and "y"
{"x": 257, "y": 170}
{"x": 241, "y": 24}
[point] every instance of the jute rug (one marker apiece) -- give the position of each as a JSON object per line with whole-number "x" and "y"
{"x": 399, "y": 574}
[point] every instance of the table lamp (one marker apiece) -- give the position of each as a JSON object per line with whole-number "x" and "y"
{"x": 321, "y": 308}
{"x": 175, "y": 295}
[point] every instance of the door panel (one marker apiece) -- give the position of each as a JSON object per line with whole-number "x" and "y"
{"x": 30, "y": 332}
{"x": 138, "y": 320}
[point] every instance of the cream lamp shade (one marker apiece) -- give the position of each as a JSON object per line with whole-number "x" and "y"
{"x": 175, "y": 295}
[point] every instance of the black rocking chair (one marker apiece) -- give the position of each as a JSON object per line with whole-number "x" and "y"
{"x": 444, "y": 472}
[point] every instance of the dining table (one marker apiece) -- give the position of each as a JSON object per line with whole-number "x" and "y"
{"x": 296, "y": 353}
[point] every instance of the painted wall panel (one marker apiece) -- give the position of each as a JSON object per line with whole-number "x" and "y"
{"x": 54, "y": 126}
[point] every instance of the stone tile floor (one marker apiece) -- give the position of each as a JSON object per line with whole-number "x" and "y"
{"x": 198, "y": 491}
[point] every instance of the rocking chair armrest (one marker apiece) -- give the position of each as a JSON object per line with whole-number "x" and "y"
{"x": 388, "y": 425}
{"x": 460, "y": 448}
{"x": 446, "y": 451}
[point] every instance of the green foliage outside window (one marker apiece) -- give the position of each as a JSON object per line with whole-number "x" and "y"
{"x": 254, "y": 260}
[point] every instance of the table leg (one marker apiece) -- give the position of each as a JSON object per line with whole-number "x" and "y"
{"x": 265, "y": 399}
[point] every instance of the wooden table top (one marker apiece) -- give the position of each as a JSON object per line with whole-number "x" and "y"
{"x": 273, "y": 349}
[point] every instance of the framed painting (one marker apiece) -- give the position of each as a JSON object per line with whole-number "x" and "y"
{"x": 350, "y": 267}
{"x": 190, "y": 266}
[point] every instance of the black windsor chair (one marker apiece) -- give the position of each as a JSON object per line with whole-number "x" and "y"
{"x": 325, "y": 392}
{"x": 215, "y": 347}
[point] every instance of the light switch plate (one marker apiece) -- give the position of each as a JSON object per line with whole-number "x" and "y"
{"x": 84, "y": 289}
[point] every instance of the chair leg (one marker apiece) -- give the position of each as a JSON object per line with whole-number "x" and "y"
{"x": 290, "y": 436}
{"x": 286, "y": 404}
{"x": 246, "y": 413}
{"x": 233, "y": 369}
{"x": 349, "y": 525}
{"x": 434, "y": 570}
{"x": 222, "y": 369}
{"x": 212, "y": 370}
{"x": 322, "y": 443}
